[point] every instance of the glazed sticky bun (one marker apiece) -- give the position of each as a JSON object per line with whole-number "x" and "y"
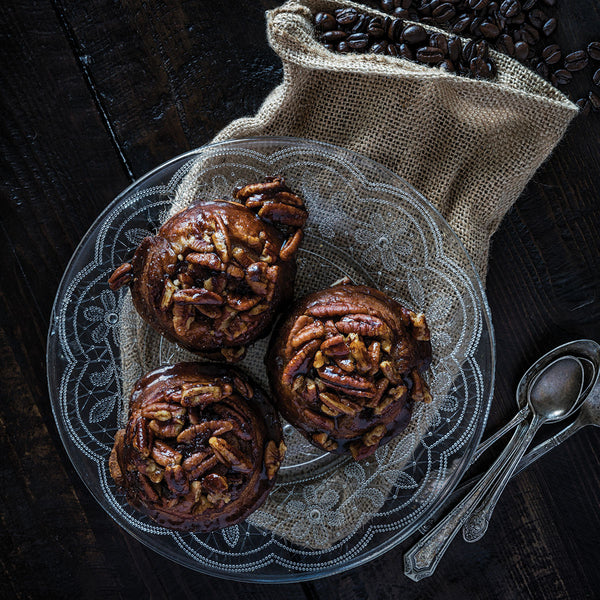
{"x": 346, "y": 368}
{"x": 201, "y": 447}
{"x": 215, "y": 274}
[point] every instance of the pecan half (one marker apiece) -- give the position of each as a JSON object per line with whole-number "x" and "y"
{"x": 229, "y": 455}
{"x": 420, "y": 330}
{"x": 203, "y": 430}
{"x": 291, "y": 245}
{"x": 354, "y": 385}
{"x": 339, "y": 405}
{"x": 122, "y": 275}
{"x": 335, "y": 346}
{"x": 273, "y": 457}
{"x": 359, "y": 353}
{"x": 164, "y": 454}
{"x": 209, "y": 261}
{"x": 364, "y": 325}
{"x": 420, "y": 390}
{"x": 176, "y": 480}
{"x": 167, "y": 296}
{"x": 197, "y": 296}
{"x": 323, "y": 440}
{"x": 279, "y": 213}
{"x": 300, "y": 361}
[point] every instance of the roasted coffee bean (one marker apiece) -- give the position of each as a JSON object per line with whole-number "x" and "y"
{"x": 401, "y": 13}
{"x": 443, "y": 12}
{"x": 576, "y": 61}
{"x": 361, "y": 24}
{"x": 537, "y": 18}
{"x": 528, "y": 4}
{"x": 391, "y": 50}
{"x": 343, "y": 47}
{"x": 375, "y": 28}
{"x": 480, "y": 68}
{"x": 329, "y": 46}
{"x": 593, "y": 50}
{"x": 468, "y": 51}
{"x": 346, "y": 16}
{"x": 550, "y": 26}
{"x": 405, "y": 52}
{"x": 510, "y": 8}
{"x": 489, "y": 30}
{"x": 478, "y": 4}
{"x": 414, "y": 34}
{"x": 518, "y": 19}
{"x": 461, "y": 24}
{"x": 530, "y": 34}
{"x": 594, "y": 101}
{"x": 551, "y": 54}
{"x": 358, "y": 41}
{"x": 429, "y": 55}
{"x": 596, "y": 77}
{"x": 325, "y": 21}
{"x": 521, "y": 50}
{"x": 387, "y": 5}
{"x": 474, "y": 28}
{"x": 543, "y": 69}
{"x": 403, "y": 3}
{"x": 454, "y": 48}
{"x": 482, "y": 49}
{"x": 394, "y": 30}
{"x": 561, "y": 77}
{"x": 584, "y": 106}
{"x": 447, "y": 65}
{"x": 439, "y": 40}
{"x": 331, "y": 37}
{"x": 379, "y": 47}
{"x": 505, "y": 44}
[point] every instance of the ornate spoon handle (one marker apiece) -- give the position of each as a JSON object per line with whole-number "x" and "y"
{"x": 518, "y": 418}
{"x": 478, "y": 520}
{"x": 422, "y": 559}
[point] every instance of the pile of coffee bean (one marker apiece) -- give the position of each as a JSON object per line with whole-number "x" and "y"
{"x": 522, "y": 29}
{"x": 347, "y": 30}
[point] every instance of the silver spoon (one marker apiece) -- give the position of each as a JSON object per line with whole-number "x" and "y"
{"x": 552, "y": 397}
{"x": 422, "y": 559}
{"x": 586, "y": 351}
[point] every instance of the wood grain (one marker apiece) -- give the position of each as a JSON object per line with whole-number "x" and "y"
{"x": 94, "y": 94}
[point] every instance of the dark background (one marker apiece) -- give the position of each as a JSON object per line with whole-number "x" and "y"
{"x": 95, "y": 93}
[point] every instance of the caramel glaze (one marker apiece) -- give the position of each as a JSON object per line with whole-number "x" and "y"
{"x": 345, "y": 368}
{"x": 201, "y": 448}
{"x": 215, "y": 274}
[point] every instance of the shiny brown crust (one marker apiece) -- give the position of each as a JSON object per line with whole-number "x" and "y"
{"x": 345, "y": 368}
{"x": 201, "y": 448}
{"x": 215, "y": 274}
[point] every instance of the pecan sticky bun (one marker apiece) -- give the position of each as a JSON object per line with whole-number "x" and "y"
{"x": 345, "y": 368}
{"x": 201, "y": 447}
{"x": 214, "y": 275}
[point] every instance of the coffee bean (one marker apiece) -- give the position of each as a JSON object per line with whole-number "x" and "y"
{"x": 346, "y": 16}
{"x": 530, "y": 34}
{"x": 480, "y": 68}
{"x": 379, "y": 47}
{"x": 528, "y": 4}
{"x": 518, "y": 19}
{"x": 401, "y": 13}
{"x": 474, "y": 28}
{"x": 443, "y": 12}
{"x": 478, "y": 4}
{"x": 387, "y": 5}
{"x": 594, "y": 101}
{"x": 584, "y": 106}
{"x": 447, "y": 65}
{"x": 505, "y": 44}
{"x": 550, "y": 26}
{"x": 405, "y": 52}
{"x": 439, "y": 40}
{"x": 405, "y": 4}
{"x": 482, "y": 49}
{"x": 561, "y": 77}
{"x": 551, "y": 54}
{"x": 468, "y": 52}
{"x": 454, "y": 48}
{"x": 325, "y": 21}
{"x": 343, "y": 47}
{"x": 358, "y": 41}
{"x": 375, "y": 28}
{"x": 521, "y": 50}
{"x": 361, "y": 24}
{"x": 461, "y": 24}
{"x": 391, "y": 50}
{"x": 594, "y": 50}
{"x": 543, "y": 69}
{"x": 510, "y": 8}
{"x": 576, "y": 61}
{"x": 394, "y": 30}
{"x": 537, "y": 18}
{"x": 489, "y": 30}
{"x": 596, "y": 77}
{"x": 337, "y": 35}
{"x": 429, "y": 55}
{"x": 414, "y": 34}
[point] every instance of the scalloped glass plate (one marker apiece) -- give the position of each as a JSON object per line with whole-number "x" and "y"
{"x": 326, "y": 514}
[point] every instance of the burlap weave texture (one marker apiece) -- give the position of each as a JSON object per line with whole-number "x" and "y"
{"x": 468, "y": 146}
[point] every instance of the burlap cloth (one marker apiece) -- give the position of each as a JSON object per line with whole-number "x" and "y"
{"x": 468, "y": 146}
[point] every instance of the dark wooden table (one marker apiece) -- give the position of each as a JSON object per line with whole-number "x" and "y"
{"x": 94, "y": 94}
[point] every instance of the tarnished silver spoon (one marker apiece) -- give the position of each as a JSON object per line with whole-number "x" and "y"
{"x": 553, "y": 396}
